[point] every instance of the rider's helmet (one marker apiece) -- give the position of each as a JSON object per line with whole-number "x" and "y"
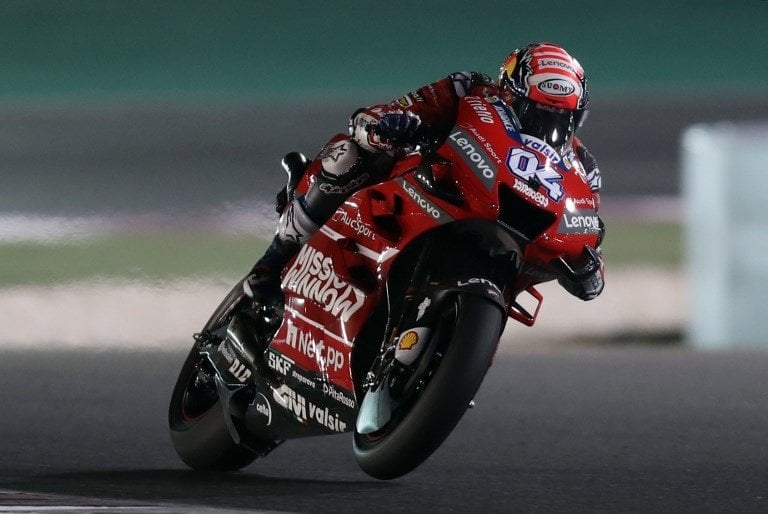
{"x": 547, "y": 90}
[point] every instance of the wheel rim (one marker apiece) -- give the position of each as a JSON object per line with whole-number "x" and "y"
{"x": 197, "y": 398}
{"x": 429, "y": 361}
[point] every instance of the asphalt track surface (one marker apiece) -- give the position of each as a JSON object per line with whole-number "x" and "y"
{"x": 74, "y": 159}
{"x": 555, "y": 429}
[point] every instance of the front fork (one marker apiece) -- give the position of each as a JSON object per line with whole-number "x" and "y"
{"x": 385, "y": 360}
{"x": 410, "y": 345}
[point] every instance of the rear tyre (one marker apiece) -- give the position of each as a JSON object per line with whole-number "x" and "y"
{"x": 415, "y": 432}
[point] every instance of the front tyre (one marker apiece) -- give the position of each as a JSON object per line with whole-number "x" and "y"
{"x": 195, "y": 416}
{"x": 198, "y": 427}
{"x": 412, "y": 436}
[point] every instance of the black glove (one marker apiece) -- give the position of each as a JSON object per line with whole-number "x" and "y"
{"x": 587, "y": 283}
{"x": 587, "y": 288}
{"x": 399, "y": 128}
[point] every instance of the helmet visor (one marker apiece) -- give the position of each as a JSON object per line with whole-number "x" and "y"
{"x": 555, "y": 126}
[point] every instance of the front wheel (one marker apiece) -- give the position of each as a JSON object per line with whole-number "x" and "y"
{"x": 195, "y": 416}
{"x": 466, "y": 345}
{"x": 198, "y": 425}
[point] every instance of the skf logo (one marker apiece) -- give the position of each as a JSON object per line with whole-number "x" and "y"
{"x": 409, "y": 340}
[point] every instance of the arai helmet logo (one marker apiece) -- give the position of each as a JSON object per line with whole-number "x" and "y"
{"x": 557, "y": 87}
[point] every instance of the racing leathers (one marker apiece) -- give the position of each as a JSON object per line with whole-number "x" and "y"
{"x": 378, "y": 136}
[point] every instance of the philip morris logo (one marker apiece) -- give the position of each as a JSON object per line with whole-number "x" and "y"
{"x": 312, "y": 276}
{"x": 473, "y": 154}
{"x": 579, "y": 222}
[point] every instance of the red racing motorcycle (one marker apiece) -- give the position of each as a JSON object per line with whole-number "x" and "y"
{"x": 394, "y": 309}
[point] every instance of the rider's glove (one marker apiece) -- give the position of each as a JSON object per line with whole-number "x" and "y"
{"x": 383, "y": 129}
{"x": 399, "y": 127}
{"x": 587, "y": 285}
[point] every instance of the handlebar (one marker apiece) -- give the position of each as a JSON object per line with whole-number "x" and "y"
{"x": 423, "y": 140}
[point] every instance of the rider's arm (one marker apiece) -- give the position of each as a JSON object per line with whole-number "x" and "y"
{"x": 434, "y": 105}
{"x": 588, "y": 286}
{"x": 590, "y": 166}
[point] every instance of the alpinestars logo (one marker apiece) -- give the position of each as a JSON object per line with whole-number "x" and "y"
{"x": 334, "y": 152}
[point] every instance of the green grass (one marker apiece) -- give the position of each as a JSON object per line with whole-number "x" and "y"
{"x": 631, "y": 243}
{"x": 168, "y": 256}
{"x": 133, "y": 257}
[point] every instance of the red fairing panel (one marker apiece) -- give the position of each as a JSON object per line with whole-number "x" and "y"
{"x": 326, "y": 307}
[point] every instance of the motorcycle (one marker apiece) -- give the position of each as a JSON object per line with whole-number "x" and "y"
{"x": 394, "y": 309}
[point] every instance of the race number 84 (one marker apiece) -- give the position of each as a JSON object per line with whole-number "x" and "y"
{"x": 525, "y": 164}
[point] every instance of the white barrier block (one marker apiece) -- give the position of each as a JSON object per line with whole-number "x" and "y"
{"x": 725, "y": 183}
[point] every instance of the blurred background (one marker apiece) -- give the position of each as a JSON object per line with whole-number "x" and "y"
{"x": 140, "y": 141}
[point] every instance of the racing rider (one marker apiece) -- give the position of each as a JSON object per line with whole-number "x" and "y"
{"x": 542, "y": 84}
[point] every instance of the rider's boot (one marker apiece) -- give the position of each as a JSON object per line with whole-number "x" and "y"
{"x": 293, "y": 229}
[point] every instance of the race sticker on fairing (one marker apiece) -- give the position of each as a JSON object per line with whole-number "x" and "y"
{"x": 577, "y": 221}
{"x": 525, "y": 164}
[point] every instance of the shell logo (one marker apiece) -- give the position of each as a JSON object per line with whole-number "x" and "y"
{"x": 409, "y": 340}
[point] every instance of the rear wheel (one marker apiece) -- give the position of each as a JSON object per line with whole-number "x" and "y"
{"x": 465, "y": 343}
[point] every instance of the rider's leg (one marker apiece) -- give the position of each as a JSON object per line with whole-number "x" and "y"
{"x": 342, "y": 173}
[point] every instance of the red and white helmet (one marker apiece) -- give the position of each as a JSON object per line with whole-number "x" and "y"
{"x": 547, "y": 89}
